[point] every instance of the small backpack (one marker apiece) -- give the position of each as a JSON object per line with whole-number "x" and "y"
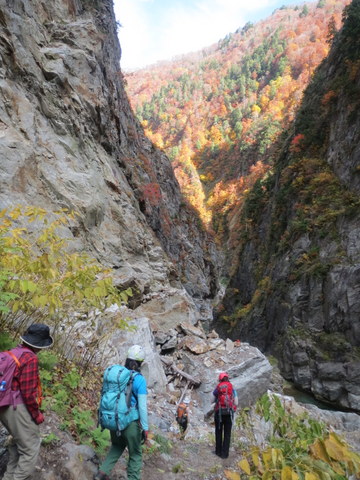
{"x": 115, "y": 410}
{"x": 182, "y": 416}
{"x": 225, "y": 401}
{"x": 9, "y": 360}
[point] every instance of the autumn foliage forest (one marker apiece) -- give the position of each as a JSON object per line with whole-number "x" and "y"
{"x": 219, "y": 113}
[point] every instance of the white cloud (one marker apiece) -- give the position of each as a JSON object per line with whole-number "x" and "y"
{"x": 155, "y": 30}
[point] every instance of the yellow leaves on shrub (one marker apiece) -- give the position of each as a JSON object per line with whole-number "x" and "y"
{"x": 337, "y": 468}
{"x": 315, "y": 454}
{"x": 42, "y": 273}
{"x": 335, "y": 448}
{"x": 267, "y": 458}
{"x": 27, "y": 286}
{"x": 324, "y": 178}
{"x": 230, "y": 475}
{"x": 287, "y": 473}
{"x": 255, "y": 457}
{"x": 335, "y": 452}
{"x": 245, "y": 466}
{"x": 40, "y": 301}
{"x": 272, "y": 457}
{"x": 17, "y": 232}
{"x": 311, "y": 476}
{"x": 15, "y": 213}
{"x": 318, "y": 450}
{"x": 266, "y": 463}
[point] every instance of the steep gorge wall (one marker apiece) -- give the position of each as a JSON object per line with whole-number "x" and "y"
{"x": 68, "y": 138}
{"x": 296, "y": 289}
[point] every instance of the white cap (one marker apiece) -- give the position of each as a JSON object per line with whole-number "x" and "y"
{"x": 136, "y": 352}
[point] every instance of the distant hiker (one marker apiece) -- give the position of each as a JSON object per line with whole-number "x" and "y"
{"x": 123, "y": 410}
{"x": 226, "y": 401}
{"x": 182, "y": 415}
{"x": 20, "y": 400}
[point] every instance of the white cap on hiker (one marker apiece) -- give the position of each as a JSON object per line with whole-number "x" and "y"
{"x": 136, "y": 352}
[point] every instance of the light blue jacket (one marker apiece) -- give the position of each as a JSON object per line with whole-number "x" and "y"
{"x": 139, "y": 399}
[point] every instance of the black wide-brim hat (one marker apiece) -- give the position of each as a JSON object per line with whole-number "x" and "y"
{"x": 38, "y": 336}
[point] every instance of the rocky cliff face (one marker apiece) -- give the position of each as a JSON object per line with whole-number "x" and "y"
{"x": 296, "y": 289}
{"x": 68, "y": 138}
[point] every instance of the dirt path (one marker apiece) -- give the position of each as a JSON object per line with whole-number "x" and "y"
{"x": 188, "y": 461}
{"x": 181, "y": 459}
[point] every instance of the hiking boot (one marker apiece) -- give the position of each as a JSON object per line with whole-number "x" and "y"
{"x": 101, "y": 476}
{"x": 216, "y": 453}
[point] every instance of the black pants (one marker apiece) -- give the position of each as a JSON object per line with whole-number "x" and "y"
{"x": 223, "y": 424}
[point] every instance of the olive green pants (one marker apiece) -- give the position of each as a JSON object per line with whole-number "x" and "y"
{"x": 24, "y": 444}
{"x": 130, "y": 438}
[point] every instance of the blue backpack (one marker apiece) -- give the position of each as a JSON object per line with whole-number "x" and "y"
{"x": 115, "y": 410}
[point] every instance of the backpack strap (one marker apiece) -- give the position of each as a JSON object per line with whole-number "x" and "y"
{"x": 129, "y": 390}
{"x": 16, "y": 360}
{"x": 217, "y": 400}
{"x": 117, "y": 398}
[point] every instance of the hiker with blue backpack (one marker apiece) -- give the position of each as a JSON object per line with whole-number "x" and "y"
{"x": 123, "y": 410}
{"x": 20, "y": 400}
{"x": 226, "y": 401}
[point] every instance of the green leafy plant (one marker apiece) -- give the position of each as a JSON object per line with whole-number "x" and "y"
{"x": 42, "y": 280}
{"x": 60, "y": 401}
{"x": 178, "y": 468}
{"x": 165, "y": 444}
{"x": 64, "y": 426}
{"x": 242, "y": 311}
{"x": 70, "y": 396}
{"x": 72, "y": 379}
{"x": 47, "y": 278}
{"x": 83, "y": 421}
{"x": 6, "y": 342}
{"x": 101, "y": 439}
{"x": 50, "y": 440}
{"x": 5, "y": 297}
{"x": 46, "y": 377}
{"x": 47, "y": 360}
{"x": 159, "y": 444}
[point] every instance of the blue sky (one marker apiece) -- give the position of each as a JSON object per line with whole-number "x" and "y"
{"x": 154, "y": 30}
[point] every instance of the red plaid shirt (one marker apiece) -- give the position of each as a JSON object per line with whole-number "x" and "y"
{"x": 26, "y": 379}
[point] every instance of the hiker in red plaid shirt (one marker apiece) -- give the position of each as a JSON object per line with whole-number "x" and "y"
{"x": 22, "y": 416}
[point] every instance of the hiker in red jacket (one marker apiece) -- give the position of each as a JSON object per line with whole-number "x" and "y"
{"x": 22, "y": 416}
{"x": 226, "y": 401}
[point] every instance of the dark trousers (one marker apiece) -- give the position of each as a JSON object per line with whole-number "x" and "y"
{"x": 223, "y": 424}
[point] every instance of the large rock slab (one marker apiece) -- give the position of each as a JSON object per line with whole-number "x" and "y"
{"x": 140, "y": 334}
{"x": 168, "y": 308}
{"x": 249, "y": 371}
